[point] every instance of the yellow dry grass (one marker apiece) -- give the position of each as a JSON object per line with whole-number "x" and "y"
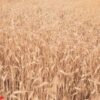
{"x": 50, "y": 49}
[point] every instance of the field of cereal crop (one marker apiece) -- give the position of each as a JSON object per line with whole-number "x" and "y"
{"x": 50, "y": 49}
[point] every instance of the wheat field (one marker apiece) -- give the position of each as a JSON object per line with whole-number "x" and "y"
{"x": 50, "y": 49}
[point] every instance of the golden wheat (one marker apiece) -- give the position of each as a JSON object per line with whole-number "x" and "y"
{"x": 50, "y": 50}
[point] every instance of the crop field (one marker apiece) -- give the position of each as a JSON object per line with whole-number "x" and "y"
{"x": 50, "y": 49}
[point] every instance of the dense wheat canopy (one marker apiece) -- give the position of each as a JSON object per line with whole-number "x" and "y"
{"x": 50, "y": 49}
